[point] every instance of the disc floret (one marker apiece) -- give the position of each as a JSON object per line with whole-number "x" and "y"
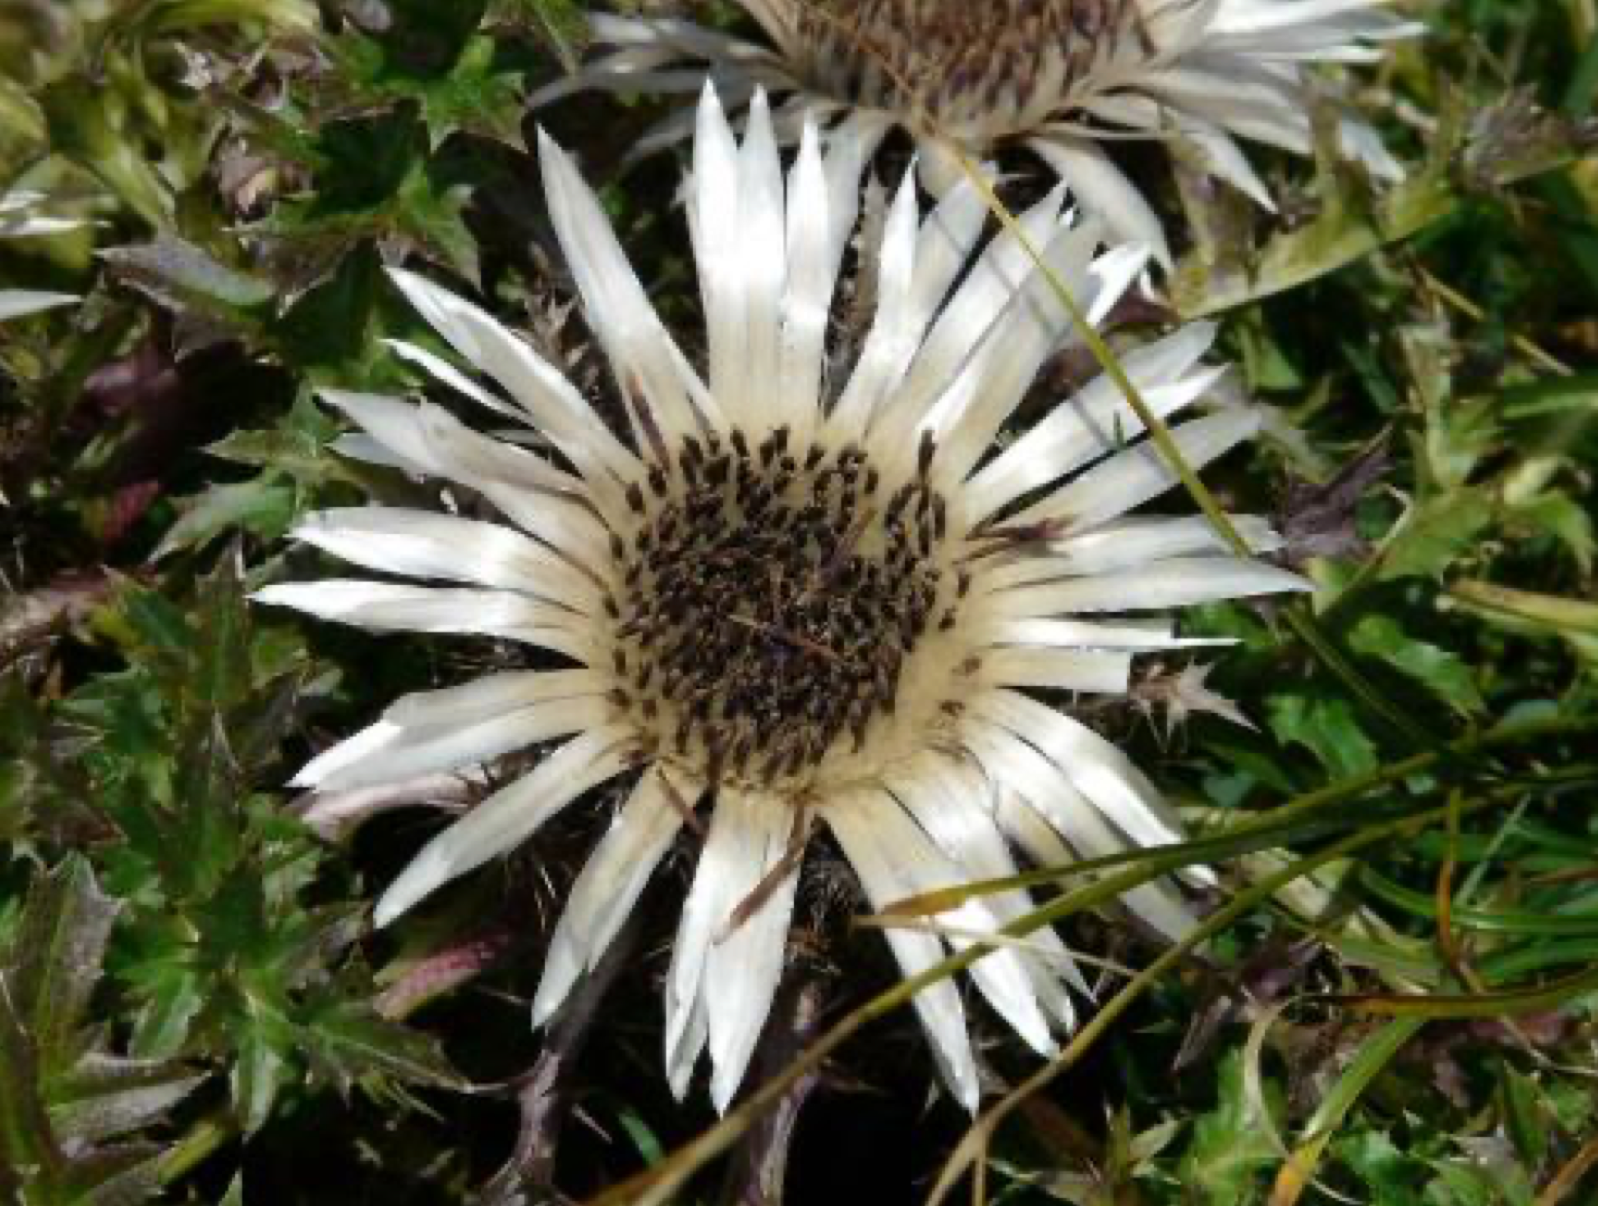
{"x": 772, "y": 595}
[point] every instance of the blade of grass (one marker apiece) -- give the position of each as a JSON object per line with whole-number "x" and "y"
{"x": 1264, "y": 830}
{"x": 656, "y": 1185}
{"x": 1541, "y": 998}
{"x": 974, "y": 1144}
{"x": 1374, "y": 1055}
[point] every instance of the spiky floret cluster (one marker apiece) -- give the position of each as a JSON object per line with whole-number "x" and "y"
{"x": 771, "y": 597}
{"x": 975, "y": 70}
{"x": 1065, "y": 78}
{"x": 792, "y": 603}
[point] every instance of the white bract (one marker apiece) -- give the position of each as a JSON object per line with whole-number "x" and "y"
{"x": 804, "y": 604}
{"x": 1066, "y": 78}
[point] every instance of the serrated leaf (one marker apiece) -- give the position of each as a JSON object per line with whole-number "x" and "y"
{"x": 117, "y": 1176}
{"x": 107, "y": 1095}
{"x": 480, "y": 96}
{"x": 1388, "y": 1174}
{"x": 173, "y": 999}
{"x": 429, "y": 218}
{"x": 297, "y": 446}
{"x": 261, "y": 1065}
{"x": 260, "y": 506}
{"x": 1445, "y": 674}
{"x": 561, "y": 25}
{"x": 352, "y": 1041}
{"x": 59, "y": 1094}
{"x": 1229, "y": 1149}
{"x": 213, "y": 300}
{"x": 28, "y": 1147}
{"x": 1435, "y": 534}
{"x": 1327, "y": 726}
{"x": 1462, "y": 1185}
{"x": 1459, "y": 436}
{"x": 221, "y": 678}
{"x": 53, "y": 962}
{"x": 432, "y": 57}
{"x": 154, "y": 621}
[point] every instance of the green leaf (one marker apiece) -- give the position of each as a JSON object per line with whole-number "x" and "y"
{"x": 1563, "y": 517}
{"x": 154, "y": 622}
{"x": 261, "y": 1066}
{"x": 1434, "y": 535}
{"x": 1389, "y": 1175}
{"x": 1531, "y": 613}
{"x": 173, "y": 998}
{"x": 381, "y": 187}
{"x": 351, "y": 1041}
{"x": 1445, "y": 674}
{"x": 480, "y": 93}
{"x": 1461, "y": 1184}
{"x": 1229, "y": 1148}
{"x": 1523, "y": 1116}
{"x": 1327, "y": 726}
{"x": 561, "y": 25}
{"x": 297, "y": 446}
{"x": 221, "y": 679}
{"x": 60, "y": 1094}
{"x": 432, "y": 57}
{"x": 54, "y": 960}
{"x": 260, "y": 506}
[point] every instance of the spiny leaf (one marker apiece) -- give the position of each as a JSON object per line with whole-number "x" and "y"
{"x": 54, "y": 960}
{"x": 559, "y": 24}
{"x": 259, "y": 506}
{"x": 352, "y": 1041}
{"x": 1327, "y": 726}
{"x": 59, "y": 1094}
{"x": 1229, "y": 1150}
{"x": 1434, "y": 535}
{"x": 1444, "y": 673}
{"x": 107, "y": 1095}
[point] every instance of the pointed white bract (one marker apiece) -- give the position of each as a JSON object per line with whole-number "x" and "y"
{"x": 802, "y": 597}
{"x": 1066, "y": 78}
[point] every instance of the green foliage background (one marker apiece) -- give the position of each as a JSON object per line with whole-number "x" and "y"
{"x": 195, "y": 1008}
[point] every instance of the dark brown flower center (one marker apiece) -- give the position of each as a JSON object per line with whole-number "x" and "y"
{"x": 772, "y": 596}
{"x": 995, "y": 66}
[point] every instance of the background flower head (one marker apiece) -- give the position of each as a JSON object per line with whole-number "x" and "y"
{"x": 1068, "y": 79}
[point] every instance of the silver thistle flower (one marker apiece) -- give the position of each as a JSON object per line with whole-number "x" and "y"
{"x": 797, "y": 605}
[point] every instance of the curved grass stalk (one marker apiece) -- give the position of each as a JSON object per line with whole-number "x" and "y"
{"x": 1297, "y": 616}
{"x": 656, "y": 1185}
{"x": 972, "y": 1149}
{"x": 1374, "y": 1055}
{"x": 1295, "y": 819}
